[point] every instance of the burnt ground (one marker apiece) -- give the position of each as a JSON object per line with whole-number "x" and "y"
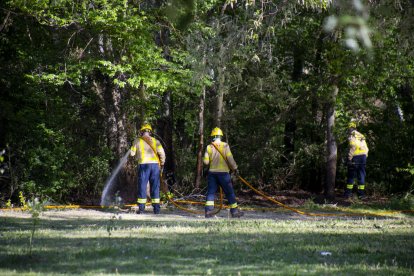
{"x": 299, "y": 198}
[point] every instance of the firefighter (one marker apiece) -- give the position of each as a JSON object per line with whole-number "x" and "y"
{"x": 218, "y": 174}
{"x": 357, "y": 158}
{"x": 151, "y": 159}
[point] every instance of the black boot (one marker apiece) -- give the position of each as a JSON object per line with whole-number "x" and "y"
{"x": 236, "y": 213}
{"x": 141, "y": 208}
{"x": 361, "y": 194}
{"x": 156, "y": 208}
{"x": 209, "y": 212}
{"x": 348, "y": 193}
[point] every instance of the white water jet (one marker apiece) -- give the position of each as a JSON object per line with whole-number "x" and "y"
{"x": 105, "y": 201}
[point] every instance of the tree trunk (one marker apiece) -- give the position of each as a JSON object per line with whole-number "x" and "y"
{"x": 218, "y": 114}
{"x": 316, "y": 173}
{"x": 116, "y": 118}
{"x": 199, "y": 170}
{"x": 331, "y": 146}
{"x": 165, "y": 130}
{"x": 166, "y": 122}
{"x": 290, "y": 125}
{"x": 110, "y": 94}
{"x": 289, "y": 135}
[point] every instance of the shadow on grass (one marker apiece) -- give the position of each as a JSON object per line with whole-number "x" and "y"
{"x": 406, "y": 205}
{"x": 82, "y": 246}
{"x": 55, "y": 221}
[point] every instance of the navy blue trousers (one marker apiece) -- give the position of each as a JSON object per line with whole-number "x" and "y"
{"x": 223, "y": 179}
{"x": 357, "y": 169}
{"x": 151, "y": 173}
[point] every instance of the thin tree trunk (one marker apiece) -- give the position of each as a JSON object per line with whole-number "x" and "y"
{"x": 316, "y": 174}
{"x": 166, "y": 122}
{"x": 165, "y": 130}
{"x": 290, "y": 125}
{"x": 117, "y": 110}
{"x": 115, "y": 127}
{"x": 218, "y": 114}
{"x": 289, "y": 135}
{"x": 331, "y": 146}
{"x": 122, "y": 143}
{"x": 199, "y": 170}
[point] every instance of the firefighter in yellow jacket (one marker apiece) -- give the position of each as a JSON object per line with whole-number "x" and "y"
{"x": 151, "y": 159}
{"x": 218, "y": 174}
{"x": 357, "y": 158}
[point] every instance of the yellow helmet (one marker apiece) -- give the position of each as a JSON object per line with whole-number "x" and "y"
{"x": 146, "y": 127}
{"x": 352, "y": 125}
{"x": 216, "y": 131}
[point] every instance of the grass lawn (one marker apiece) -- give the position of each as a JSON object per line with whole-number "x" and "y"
{"x": 91, "y": 242}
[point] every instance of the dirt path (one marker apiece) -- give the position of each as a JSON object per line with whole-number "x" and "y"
{"x": 174, "y": 213}
{"x": 169, "y": 213}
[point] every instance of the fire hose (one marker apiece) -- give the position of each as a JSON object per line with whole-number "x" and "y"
{"x": 221, "y": 206}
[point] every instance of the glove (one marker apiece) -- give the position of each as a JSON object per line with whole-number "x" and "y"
{"x": 133, "y": 150}
{"x": 235, "y": 172}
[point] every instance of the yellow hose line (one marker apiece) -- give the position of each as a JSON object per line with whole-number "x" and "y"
{"x": 169, "y": 198}
{"x": 51, "y": 207}
{"x": 194, "y": 211}
{"x": 190, "y": 202}
{"x": 316, "y": 214}
{"x": 176, "y": 204}
{"x": 67, "y": 207}
{"x": 183, "y": 208}
{"x": 269, "y": 198}
{"x": 384, "y": 213}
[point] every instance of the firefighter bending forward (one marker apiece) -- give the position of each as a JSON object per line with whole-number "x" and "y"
{"x": 357, "y": 159}
{"x": 219, "y": 175}
{"x": 149, "y": 167}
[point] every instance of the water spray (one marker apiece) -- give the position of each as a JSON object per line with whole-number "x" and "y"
{"x": 109, "y": 184}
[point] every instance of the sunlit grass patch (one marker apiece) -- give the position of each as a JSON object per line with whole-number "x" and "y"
{"x": 78, "y": 243}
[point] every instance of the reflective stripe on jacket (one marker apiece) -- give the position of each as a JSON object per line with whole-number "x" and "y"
{"x": 357, "y": 145}
{"x": 213, "y": 158}
{"x": 145, "y": 153}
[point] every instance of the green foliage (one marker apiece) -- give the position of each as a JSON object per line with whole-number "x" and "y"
{"x": 59, "y": 132}
{"x": 180, "y": 12}
{"x": 402, "y": 203}
{"x": 4, "y": 173}
{"x": 76, "y": 77}
{"x": 2, "y": 159}
{"x": 355, "y": 26}
{"x": 410, "y": 170}
{"x": 165, "y": 196}
{"x": 185, "y": 169}
{"x": 310, "y": 204}
{"x": 22, "y": 201}
{"x": 9, "y": 204}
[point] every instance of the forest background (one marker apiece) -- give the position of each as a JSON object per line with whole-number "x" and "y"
{"x": 282, "y": 79}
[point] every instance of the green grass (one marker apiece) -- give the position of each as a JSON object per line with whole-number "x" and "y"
{"x": 93, "y": 242}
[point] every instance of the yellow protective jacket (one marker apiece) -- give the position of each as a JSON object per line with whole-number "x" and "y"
{"x": 213, "y": 158}
{"x": 357, "y": 144}
{"x": 145, "y": 153}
